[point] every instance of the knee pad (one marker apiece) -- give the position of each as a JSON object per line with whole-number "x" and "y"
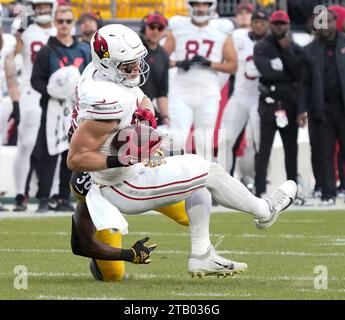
{"x": 176, "y": 211}
{"x": 109, "y": 270}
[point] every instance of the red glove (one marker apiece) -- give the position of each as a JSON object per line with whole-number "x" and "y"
{"x": 142, "y": 115}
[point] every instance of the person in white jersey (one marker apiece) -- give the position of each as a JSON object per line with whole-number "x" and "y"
{"x": 8, "y": 73}
{"x": 203, "y": 47}
{"x": 242, "y": 107}
{"x": 108, "y": 99}
{"x": 29, "y": 44}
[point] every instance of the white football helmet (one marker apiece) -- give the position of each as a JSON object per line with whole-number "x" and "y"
{"x": 115, "y": 48}
{"x": 43, "y": 16}
{"x": 197, "y": 15}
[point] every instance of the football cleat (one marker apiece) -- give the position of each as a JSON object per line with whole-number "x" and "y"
{"x": 212, "y": 264}
{"x": 96, "y": 273}
{"x": 280, "y": 200}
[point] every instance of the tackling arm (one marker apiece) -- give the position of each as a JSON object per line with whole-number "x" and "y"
{"x": 83, "y": 242}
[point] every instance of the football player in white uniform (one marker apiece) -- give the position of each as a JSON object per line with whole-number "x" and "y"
{"x": 242, "y": 107}
{"x": 203, "y": 47}
{"x": 29, "y": 44}
{"x": 7, "y": 53}
{"x": 108, "y": 99}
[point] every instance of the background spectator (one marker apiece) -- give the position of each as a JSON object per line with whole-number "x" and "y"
{"x": 323, "y": 88}
{"x": 88, "y": 23}
{"x": 244, "y": 14}
{"x": 60, "y": 52}
{"x": 156, "y": 86}
{"x": 278, "y": 59}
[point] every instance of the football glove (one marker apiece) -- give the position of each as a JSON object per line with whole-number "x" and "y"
{"x": 184, "y": 64}
{"x": 201, "y": 61}
{"x": 145, "y": 115}
{"x": 141, "y": 252}
{"x": 156, "y": 160}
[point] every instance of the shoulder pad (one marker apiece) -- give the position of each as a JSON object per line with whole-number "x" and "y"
{"x": 224, "y": 25}
{"x": 177, "y": 22}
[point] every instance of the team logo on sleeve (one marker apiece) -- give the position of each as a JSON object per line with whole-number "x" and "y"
{"x": 100, "y": 46}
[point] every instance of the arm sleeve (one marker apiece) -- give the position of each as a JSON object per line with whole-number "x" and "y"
{"x": 263, "y": 64}
{"x": 41, "y": 72}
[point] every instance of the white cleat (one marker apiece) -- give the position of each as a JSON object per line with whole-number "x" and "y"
{"x": 280, "y": 200}
{"x": 211, "y": 264}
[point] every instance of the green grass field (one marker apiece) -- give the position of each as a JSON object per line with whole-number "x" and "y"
{"x": 281, "y": 260}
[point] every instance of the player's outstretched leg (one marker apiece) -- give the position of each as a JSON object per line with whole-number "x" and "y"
{"x": 232, "y": 194}
{"x": 204, "y": 261}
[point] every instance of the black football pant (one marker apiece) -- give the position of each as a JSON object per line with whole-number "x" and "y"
{"x": 45, "y": 165}
{"x": 289, "y": 138}
{"x": 323, "y": 135}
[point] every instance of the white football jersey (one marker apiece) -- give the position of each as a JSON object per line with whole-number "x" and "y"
{"x": 98, "y": 99}
{"x": 247, "y": 76}
{"x": 34, "y": 38}
{"x": 191, "y": 40}
{"x": 8, "y": 47}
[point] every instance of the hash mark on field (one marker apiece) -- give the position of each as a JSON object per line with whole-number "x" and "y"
{"x": 45, "y": 297}
{"x": 321, "y": 290}
{"x": 210, "y": 294}
{"x": 242, "y": 276}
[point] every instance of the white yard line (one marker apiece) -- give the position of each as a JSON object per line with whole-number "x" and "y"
{"x": 210, "y": 294}
{"x": 148, "y": 276}
{"x": 29, "y": 250}
{"x": 47, "y": 297}
{"x": 336, "y": 240}
{"x": 180, "y": 252}
{"x": 50, "y": 274}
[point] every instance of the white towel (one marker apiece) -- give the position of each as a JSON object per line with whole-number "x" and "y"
{"x": 103, "y": 214}
{"x": 57, "y": 125}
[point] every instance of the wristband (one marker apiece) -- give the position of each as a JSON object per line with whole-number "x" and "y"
{"x": 127, "y": 255}
{"x": 15, "y": 104}
{"x": 113, "y": 162}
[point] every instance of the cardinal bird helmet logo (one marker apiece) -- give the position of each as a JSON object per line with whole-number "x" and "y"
{"x": 100, "y": 46}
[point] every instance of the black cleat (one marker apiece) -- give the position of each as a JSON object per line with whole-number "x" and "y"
{"x": 20, "y": 203}
{"x": 96, "y": 273}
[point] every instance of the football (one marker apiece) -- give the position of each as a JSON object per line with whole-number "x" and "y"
{"x": 138, "y": 141}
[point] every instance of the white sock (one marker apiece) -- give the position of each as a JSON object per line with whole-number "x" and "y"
{"x": 198, "y": 207}
{"x": 232, "y": 194}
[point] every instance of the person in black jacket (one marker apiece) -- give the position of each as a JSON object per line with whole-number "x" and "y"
{"x": 278, "y": 59}
{"x": 61, "y": 51}
{"x": 156, "y": 86}
{"x": 323, "y": 89}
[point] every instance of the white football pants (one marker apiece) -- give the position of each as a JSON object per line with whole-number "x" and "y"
{"x": 238, "y": 112}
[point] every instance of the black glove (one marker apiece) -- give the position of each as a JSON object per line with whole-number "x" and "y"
{"x": 15, "y": 115}
{"x": 184, "y": 64}
{"x": 140, "y": 254}
{"x": 201, "y": 61}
